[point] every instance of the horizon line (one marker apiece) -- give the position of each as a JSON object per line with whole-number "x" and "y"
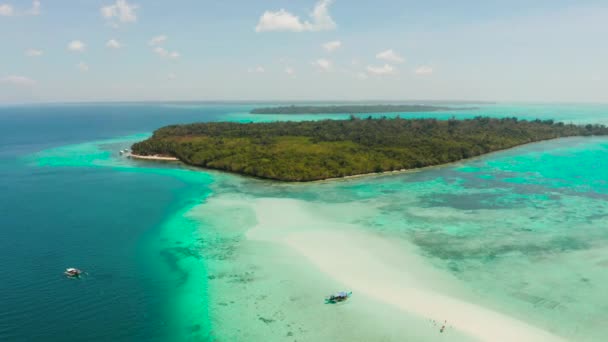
{"x": 245, "y": 102}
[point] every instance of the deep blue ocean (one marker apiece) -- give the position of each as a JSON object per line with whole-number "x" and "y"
{"x": 91, "y": 218}
{"x": 108, "y": 222}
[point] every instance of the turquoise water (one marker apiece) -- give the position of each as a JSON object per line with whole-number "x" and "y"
{"x": 524, "y": 231}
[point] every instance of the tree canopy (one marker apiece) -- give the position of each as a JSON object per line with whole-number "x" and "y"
{"x": 316, "y": 150}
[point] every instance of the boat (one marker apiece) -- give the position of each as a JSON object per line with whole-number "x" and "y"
{"x": 338, "y": 297}
{"x": 72, "y": 272}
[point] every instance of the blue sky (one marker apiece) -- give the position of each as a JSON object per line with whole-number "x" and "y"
{"x": 105, "y": 50}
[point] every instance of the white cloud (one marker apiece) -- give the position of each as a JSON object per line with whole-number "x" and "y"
{"x": 282, "y": 20}
{"x": 121, "y": 10}
{"x": 113, "y": 44}
{"x": 20, "y": 81}
{"x": 390, "y": 56}
{"x": 164, "y": 53}
{"x": 279, "y": 21}
{"x": 332, "y": 46}
{"x": 423, "y": 70}
{"x": 7, "y": 10}
{"x": 82, "y": 66}
{"x": 171, "y": 76}
{"x": 158, "y": 40}
{"x": 76, "y": 46}
{"x": 321, "y": 19}
{"x": 322, "y": 64}
{"x": 33, "y": 52}
{"x": 290, "y": 71}
{"x": 161, "y": 51}
{"x": 258, "y": 69}
{"x": 386, "y": 69}
{"x": 35, "y": 10}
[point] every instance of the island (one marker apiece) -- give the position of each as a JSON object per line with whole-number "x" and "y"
{"x": 318, "y": 150}
{"x": 355, "y": 109}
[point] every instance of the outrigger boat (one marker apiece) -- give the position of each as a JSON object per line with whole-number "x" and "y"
{"x": 73, "y": 272}
{"x": 338, "y": 297}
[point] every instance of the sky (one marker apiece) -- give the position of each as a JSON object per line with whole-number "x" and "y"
{"x": 297, "y": 50}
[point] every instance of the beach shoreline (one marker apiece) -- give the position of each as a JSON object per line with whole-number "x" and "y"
{"x": 153, "y": 158}
{"x": 355, "y": 176}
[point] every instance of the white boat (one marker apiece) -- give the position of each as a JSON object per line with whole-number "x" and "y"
{"x": 72, "y": 272}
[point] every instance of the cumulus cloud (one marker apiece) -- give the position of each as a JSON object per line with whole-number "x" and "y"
{"x": 20, "y": 81}
{"x": 158, "y": 40}
{"x": 82, "y": 66}
{"x": 33, "y": 53}
{"x": 258, "y": 69}
{"x": 390, "y": 56}
{"x": 121, "y": 10}
{"x": 321, "y": 19}
{"x": 423, "y": 70}
{"x": 161, "y": 51}
{"x": 8, "y": 10}
{"x": 332, "y": 46}
{"x": 386, "y": 69}
{"x": 35, "y": 10}
{"x": 164, "y": 53}
{"x": 282, "y": 20}
{"x": 76, "y": 46}
{"x": 113, "y": 44}
{"x": 322, "y": 64}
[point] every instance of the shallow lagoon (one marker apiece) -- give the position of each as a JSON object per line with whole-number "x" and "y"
{"x": 521, "y": 232}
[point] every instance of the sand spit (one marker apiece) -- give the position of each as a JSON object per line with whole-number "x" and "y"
{"x": 155, "y": 157}
{"x": 388, "y": 274}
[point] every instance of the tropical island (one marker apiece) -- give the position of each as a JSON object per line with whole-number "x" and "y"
{"x": 355, "y": 109}
{"x": 318, "y": 150}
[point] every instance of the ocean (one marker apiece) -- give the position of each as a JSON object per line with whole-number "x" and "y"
{"x": 180, "y": 254}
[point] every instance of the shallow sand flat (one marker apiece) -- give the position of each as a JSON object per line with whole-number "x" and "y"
{"x": 372, "y": 266}
{"x": 271, "y": 293}
{"x": 261, "y": 290}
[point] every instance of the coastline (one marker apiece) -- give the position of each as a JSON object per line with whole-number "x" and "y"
{"x": 154, "y": 157}
{"x": 355, "y": 176}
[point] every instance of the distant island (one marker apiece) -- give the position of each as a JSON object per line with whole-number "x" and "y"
{"x": 317, "y": 150}
{"x": 355, "y": 109}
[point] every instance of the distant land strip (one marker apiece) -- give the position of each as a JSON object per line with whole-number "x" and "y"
{"x": 317, "y": 150}
{"x": 355, "y": 109}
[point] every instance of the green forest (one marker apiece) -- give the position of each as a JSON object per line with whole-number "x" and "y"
{"x": 353, "y": 109}
{"x": 316, "y": 150}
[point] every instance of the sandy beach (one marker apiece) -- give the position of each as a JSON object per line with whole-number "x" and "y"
{"x": 386, "y": 274}
{"x": 155, "y": 157}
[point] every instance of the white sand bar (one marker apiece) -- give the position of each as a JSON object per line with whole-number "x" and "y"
{"x": 379, "y": 269}
{"x": 154, "y": 157}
